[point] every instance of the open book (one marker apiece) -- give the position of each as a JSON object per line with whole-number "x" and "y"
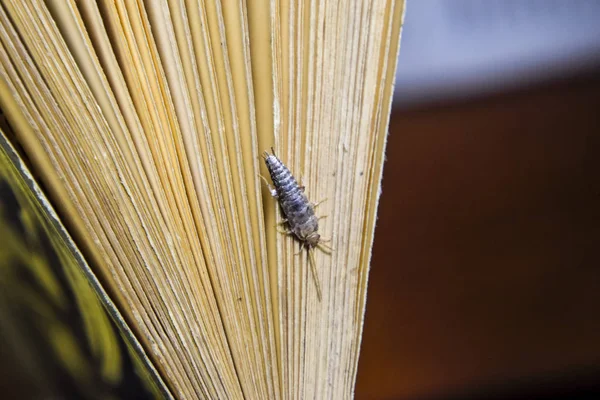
{"x": 144, "y": 122}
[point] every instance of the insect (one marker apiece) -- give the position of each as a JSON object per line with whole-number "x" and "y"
{"x": 299, "y": 213}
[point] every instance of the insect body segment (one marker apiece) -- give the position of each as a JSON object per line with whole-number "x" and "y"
{"x": 298, "y": 211}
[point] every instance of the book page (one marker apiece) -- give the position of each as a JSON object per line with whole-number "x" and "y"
{"x": 147, "y": 121}
{"x": 81, "y": 347}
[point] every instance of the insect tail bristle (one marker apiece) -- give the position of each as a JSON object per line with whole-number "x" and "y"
{"x": 313, "y": 267}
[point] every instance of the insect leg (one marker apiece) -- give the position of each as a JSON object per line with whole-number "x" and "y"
{"x": 319, "y": 202}
{"x": 271, "y": 189}
{"x": 301, "y": 185}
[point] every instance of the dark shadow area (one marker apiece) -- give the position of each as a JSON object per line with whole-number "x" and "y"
{"x": 485, "y": 278}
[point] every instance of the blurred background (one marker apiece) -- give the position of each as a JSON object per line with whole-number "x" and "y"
{"x": 485, "y": 279}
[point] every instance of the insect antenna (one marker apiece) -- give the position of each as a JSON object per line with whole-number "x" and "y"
{"x": 325, "y": 247}
{"x": 313, "y": 267}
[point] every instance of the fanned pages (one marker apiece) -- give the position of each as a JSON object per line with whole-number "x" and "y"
{"x": 145, "y": 121}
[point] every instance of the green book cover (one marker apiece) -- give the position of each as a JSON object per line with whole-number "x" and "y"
{"x": 62, "y": 336}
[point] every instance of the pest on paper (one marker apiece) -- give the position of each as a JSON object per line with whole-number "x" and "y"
{"x": 298, "y": 211}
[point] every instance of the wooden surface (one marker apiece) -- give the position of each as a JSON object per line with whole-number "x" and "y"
{"x": 486, "y": 266}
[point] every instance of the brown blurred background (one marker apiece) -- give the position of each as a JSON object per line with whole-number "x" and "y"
{"x": 485, "y": 279}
